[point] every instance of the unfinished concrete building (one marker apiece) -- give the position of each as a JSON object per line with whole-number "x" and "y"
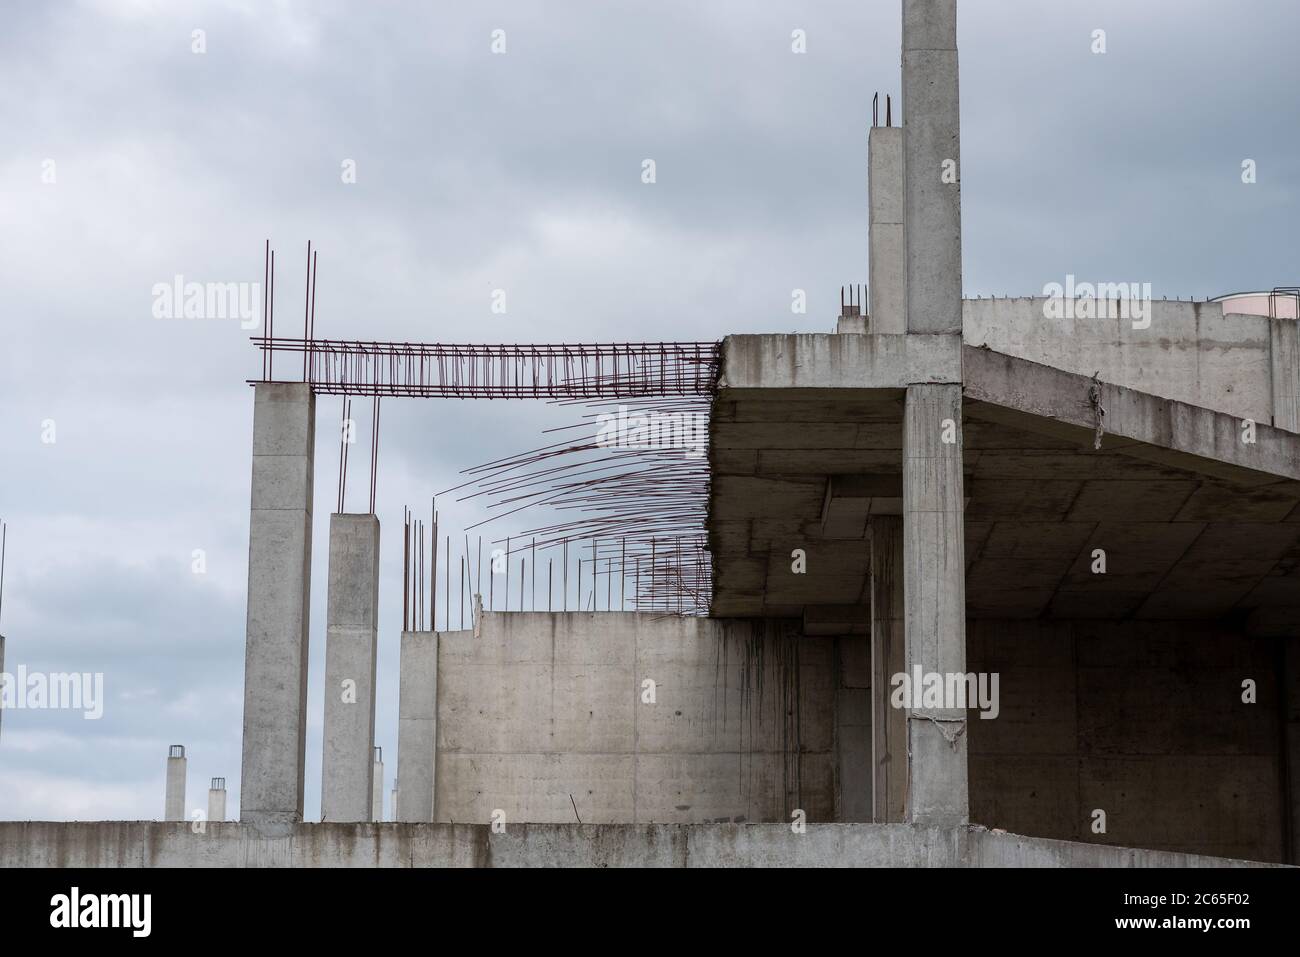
{"x": 1088, "y": 503}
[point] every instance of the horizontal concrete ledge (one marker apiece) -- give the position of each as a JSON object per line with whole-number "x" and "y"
{"x": 814, "y": 361}
{"x": 158, "y": 844}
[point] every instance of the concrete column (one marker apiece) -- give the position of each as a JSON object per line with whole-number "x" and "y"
{"x": 931, "y": 155}
{"x": 886, "y": 241}
{"x": 377, "y": 790}
{"x": 174, "y": 805}
{"x": 392, "y": 806}
{"x": 853, "y": 730}
{"x": 279, "y": 594}
{"x": 934, "y": 598}
{"x": 888, "y": 658}
{"x": 217, "y": 800}
{"x": 417, "y": 725}
{"x": 352, "y": 614}
{"x": 1285, "y": 342}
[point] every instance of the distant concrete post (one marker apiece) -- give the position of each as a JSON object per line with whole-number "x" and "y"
{"x": 174, "y": 805}
{"x": 377, "y": 791}
{"x": 217, "y": 800}
{"x": 392, "y": 807}
{"x": 417, "y": 725}
{"x": 352, "y": 615}
{"x": 888, "y": 724}
{"x": 279, "y": 597}
{"x": 886, "y": 241}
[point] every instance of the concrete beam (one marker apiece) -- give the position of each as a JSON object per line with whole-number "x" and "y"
{"x": 934, "y": 587}
{"x": 1038, "y": 398}
{"x": 886, "y": 241}
{"x": 888, "y": 658}
{"x": 351, "y": 639}
{"x": 279, "y": 598}
{"x": 150, "y": 844}
{"x": 417, "y": 725}
{"x": 932, "y": 166}
{"x": 815, "y": 365}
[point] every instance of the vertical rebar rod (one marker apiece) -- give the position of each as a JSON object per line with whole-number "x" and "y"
{"x": 270, "y": 366}
{"x": 433, "y": 579}
{"x": 266, "y": 329}
{"x": 311, "y": 330}
{"x": 406, "y": 571}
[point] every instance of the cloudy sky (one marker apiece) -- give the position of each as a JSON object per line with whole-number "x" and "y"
{"x": 127, "y": 159}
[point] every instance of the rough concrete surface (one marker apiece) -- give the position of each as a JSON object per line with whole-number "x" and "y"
{"x": 153, "y": 844}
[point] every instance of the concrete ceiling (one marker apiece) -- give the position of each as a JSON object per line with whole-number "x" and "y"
{"x": 1184, "y": 538}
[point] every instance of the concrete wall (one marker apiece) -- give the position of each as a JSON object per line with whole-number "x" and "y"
{"x": 1191, "y": 352}
{"x": 144, "y": 844}
{"x": 1143, "y": 720}
{"x": 542, "y": 717}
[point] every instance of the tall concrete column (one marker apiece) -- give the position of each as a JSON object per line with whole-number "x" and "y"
{"x": 888, "y": 658}
{"x": 417, "y": 725}
{"x": 934, "y": 572}
{"x": 279, "y": 595}
{"x": 377, "y": 789}
{"x": 392, "y": 804}
{"x": 352, "y": 615}
{"x": 934, "y": 598}
{"x": 932, "y": 166}
{"x": 217, "y": 800}
{"x": 886, "y": 241}
{"x": 1284, "y": 340}
{"x": 174, "y": 803}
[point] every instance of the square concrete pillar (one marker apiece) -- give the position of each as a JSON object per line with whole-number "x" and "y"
{"x": 886, "y": 240}
{"x": 934, "y": 598}
{"x": 351, "y": 633}
{"x": 931, "y": 166}
{"x": 853, "y": 767}
{"x": 174, "y": 798}
{"x": 888, "y": 658}
{"x": 1284, "y": 342}
{"x": 417, "y": 725}
{"x": 217, "y": 800}
{"x": 377, "y": 788}
{"x": 279, "y": 596}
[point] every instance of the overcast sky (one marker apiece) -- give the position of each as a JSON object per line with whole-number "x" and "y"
{"x": 127, "y": 159}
